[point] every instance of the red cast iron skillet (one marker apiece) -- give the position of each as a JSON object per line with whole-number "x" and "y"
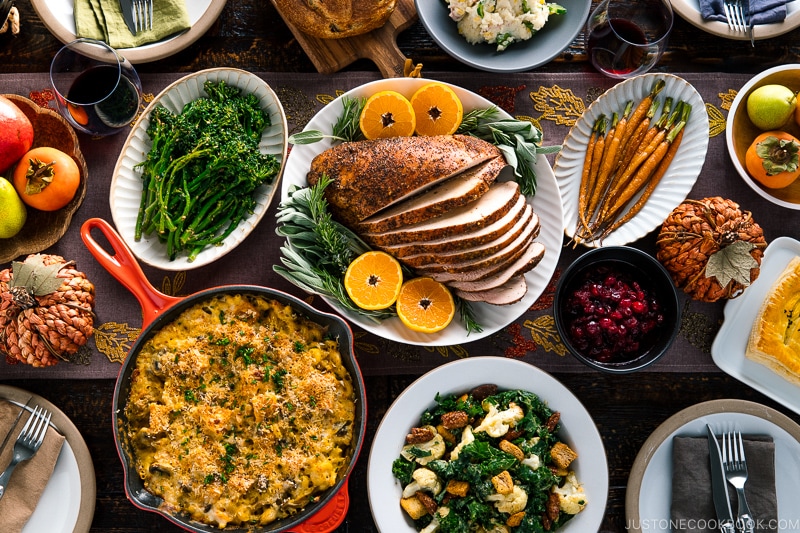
{"x": 158, "y": 310}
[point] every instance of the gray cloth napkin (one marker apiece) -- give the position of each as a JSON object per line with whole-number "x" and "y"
{"x": 692, "y": 505}
{"x": 764, "y": 11}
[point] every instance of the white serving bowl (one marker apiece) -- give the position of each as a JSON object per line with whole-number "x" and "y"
{"x": 126, "y": 184}
{"x": 740, "y": 132}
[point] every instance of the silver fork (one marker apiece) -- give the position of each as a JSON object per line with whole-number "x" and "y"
{"x": 738, "y": 18}
{"x": 736, "y": 472}
{"x": 28, "y": 443}
{"x": 143, "y": 15}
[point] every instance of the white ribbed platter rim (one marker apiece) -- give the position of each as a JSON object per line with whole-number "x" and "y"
{"x": 126, "y": 184}
{"x": 679, "y": 178}
{"x": 546, "y": 203}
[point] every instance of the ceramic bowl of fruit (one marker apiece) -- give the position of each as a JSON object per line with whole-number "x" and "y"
{"x": 616, "y": 309}
{"x": 763, "y": 134}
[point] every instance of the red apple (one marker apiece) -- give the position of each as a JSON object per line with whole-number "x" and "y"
{"x": 16, "y": 133}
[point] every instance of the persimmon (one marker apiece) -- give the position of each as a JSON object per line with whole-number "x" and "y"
{"x": 773, "y": 159}
{"x": 46, "y": 178}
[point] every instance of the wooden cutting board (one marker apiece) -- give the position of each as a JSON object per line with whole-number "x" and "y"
{"x": 379, "y": 45}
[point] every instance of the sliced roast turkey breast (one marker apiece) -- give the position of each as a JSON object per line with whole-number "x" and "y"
{"x": 528, "y": 223}
{"x": 510, "y": 252}
{"x": 508, "y": 293}
{"x": 368, "y": 176}
{"x": 532, "y": 256}
{"x": 450, "y": 194}
{"x": 470, "y": 239}
{"x": 498, "y": 200}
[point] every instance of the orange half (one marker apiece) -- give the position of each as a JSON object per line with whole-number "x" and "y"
{"x": 438, "y": 109}
{"x": 387, "y": 114}
{"x": 425, "y": 305}
{"x": 373, "y": 280}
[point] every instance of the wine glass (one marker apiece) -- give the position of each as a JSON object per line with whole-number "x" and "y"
{"x": 97, "y": 90}
{"x": 626, "y": 38}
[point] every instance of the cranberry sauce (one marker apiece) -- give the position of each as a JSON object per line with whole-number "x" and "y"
{"x": 612, "y": 315}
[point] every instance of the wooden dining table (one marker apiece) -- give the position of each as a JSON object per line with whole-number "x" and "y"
{"x": 251, "y": 35}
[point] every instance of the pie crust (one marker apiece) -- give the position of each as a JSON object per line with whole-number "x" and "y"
{"x": 775, "y": 338}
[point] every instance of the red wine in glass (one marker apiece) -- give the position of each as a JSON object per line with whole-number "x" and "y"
{"x": 103, "y": 99}
{"x": 618, "y": 47}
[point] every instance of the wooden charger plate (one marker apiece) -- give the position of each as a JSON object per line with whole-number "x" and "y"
{"x": 42, "y": 229}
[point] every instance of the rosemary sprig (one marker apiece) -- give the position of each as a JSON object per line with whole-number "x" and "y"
{"x": 346, "y": 128}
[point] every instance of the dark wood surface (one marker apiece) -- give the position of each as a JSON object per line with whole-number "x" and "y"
{"x": 251, "y": 35}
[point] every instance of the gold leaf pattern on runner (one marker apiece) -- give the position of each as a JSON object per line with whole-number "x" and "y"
{"x": 727, "y": 99}
{"x": 716, "y": 122}
{"x": 557, "y": 104}
{"x": 445, "y": 351}
{"x": 543, "y": 331}
{"x": 173, "y": 287}
{"x": 358, "y": 343}
{"x": 113, "y": 339}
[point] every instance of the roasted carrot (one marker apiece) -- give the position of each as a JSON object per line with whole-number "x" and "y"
{"x": 651, "y": 184}
{"x": 637, "y": 137}
{"x": 597, "y": 155}
{"x": 608, "y": 164}
{"x": 643, "y": 110}
{"x": 586, "y": 173}
{"x": 648, "y": 173}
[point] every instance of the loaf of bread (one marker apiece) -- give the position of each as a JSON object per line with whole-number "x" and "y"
{"x": 775, "y": 338}
{"x": 335, "y": 19}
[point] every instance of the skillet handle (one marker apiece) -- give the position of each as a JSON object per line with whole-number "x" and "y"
{"x": 329, "y": 517}
{"x": 125, "y": 268}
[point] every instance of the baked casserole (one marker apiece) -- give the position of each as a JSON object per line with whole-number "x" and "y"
{"x": 240, "y": 412}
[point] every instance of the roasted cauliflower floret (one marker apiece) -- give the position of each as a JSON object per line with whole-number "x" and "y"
{"x": 425, "y": 452}
{"x": 513, "y": 502}
{"x": 424, "y": 480}
{"x": 571, "y": 498}
{"x": 496, "y": 423}
{"x": 532, "y": 461}
{"x": 466, "y": 438}
{"x": 434, "y": 525}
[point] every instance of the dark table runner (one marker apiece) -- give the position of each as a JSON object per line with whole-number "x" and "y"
{"x": 554, "y": 101}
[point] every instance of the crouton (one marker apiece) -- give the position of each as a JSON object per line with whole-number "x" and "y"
{"x": 515, "y": 519}
{"x": 503, "y": 483}
{"x": 513, "y": 449}
{"x": 562, "y": 455}
{"x": 413, "y": 507}
{"x": 457, "y": 488}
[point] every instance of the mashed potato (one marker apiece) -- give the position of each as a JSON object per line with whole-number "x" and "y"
{"x": 501, "y": 22}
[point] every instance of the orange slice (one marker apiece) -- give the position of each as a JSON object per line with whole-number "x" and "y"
{"x": 438, "y": 109}
{"x": 425, "y": 305}
{"x": 387, "y": 114}
{"x": 373, "y": 280}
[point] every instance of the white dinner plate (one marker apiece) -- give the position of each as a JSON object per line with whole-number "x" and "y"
{"x": 689, "y": 10}
{"x": 546, "y": 203}
{"x": 729, "y": 346}
{"x": 126, "y": 183}
{"x": 59, "y": 18}
{"x": 679, "y": 178}
{"x": 67, "y": 503}
{"x": 649, "y": 492}
{"x": 577, "y": 430}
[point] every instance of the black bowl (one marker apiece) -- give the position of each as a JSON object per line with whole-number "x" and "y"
{"x": 635, "y": 266}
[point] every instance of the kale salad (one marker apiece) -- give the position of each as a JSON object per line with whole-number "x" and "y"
{"x": 491, "y": 461}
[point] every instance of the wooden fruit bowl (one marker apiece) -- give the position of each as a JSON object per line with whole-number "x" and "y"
{"x": 44, "y": 228}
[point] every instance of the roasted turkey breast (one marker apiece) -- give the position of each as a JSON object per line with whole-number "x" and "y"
{"x": 368, "y": 176}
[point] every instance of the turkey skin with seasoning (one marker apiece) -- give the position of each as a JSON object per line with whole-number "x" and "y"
{"x": 369, "y": 176}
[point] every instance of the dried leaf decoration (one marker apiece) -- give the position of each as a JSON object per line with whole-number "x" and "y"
{"x": 733, "y": 262}
{"x": 716, "y": 122}
{"x": 39, "y": 278}
{"x": 114, "y": 340}
{"x": 557, "y": 104}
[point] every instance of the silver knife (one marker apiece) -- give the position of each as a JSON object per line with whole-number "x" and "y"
{"x": 14, "y": 425}
{"x": 126, "y": 6}
{"x": 719, "y": 487}
{"x": 750, "y": 24}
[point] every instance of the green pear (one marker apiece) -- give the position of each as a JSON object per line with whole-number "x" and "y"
{"x": 12, "y": 211}
{"x": 770, "y": 106}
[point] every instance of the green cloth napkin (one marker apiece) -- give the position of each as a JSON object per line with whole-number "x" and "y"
{"x": 102, "y": 20}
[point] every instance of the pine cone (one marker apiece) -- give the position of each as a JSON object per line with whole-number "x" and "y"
{"x": 695, "y": 231}
{"x": 46, "y": 313}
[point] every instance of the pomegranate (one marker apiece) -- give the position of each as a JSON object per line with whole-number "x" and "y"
{"x": 16, "y": 133}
